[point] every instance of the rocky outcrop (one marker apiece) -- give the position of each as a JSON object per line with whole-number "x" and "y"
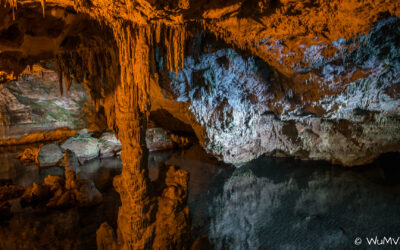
{"x": 109, "y": 145}
{"x": 69, "y": 190}
{"x": 247, "y": 108}
{"x": 172, "y": 218}
{"x": 333, "y": 72}
{"x": 85, "y": 147}
{"x": 160, "y": 139}
{"x": 72, "y": 189}
{"x": 29, "y": 155}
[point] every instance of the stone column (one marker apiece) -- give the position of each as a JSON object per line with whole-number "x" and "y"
{"x": 135, "y": 217}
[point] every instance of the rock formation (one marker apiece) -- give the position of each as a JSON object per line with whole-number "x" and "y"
{"x": 72, "y": 189}
{"x": 63, "y": 191}
{"x": 311, "y": 79}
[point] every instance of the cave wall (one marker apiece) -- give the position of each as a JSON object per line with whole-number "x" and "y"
{"x": 248, "y": 108}
{"x": 33, "y": 104}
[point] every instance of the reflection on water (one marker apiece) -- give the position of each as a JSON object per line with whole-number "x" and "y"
{"x": 266, "y": 204}
{"x": 287, "y": 204}
{"x": 41, "y": 228}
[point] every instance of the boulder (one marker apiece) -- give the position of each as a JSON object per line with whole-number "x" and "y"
{"x": 85, "y": 147}
{"x": 50, "y": 155}
{"x": 109, "y": 145}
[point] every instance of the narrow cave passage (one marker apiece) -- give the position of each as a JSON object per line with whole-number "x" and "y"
{"x": 198, "y": 125}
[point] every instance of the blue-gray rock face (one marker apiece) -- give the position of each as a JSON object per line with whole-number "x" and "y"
{"x": 248, "y": 109}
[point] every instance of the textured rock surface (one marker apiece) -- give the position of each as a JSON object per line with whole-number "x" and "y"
{"x": 50, "y": 155}
{"x": 34, "y": 105}
{"x": 119, "y": 66}
{"x": 160, "y": 139}
{"x": 72, "y": 189}
{"x": 326, "y": 66}
{"x": 248, "y": 109}
{"x": 109, "y": 145}
{"x": 29, "y": 155}
{"x": 84, "y": 146}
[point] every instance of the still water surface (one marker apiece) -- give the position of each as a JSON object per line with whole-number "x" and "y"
{"x": 268, "y": 203}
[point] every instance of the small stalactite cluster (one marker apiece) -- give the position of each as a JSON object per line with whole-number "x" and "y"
{"x": 172, "y": 40}
{"x": 96, "y": 67}
{"x": 14, "y": 6}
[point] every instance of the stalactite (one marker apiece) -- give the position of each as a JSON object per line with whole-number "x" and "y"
{"x": 60, "y": 75}
{"x": 43, "y": 3}
{"x": 13, "y": 5}
{"x": 172, "y": 39}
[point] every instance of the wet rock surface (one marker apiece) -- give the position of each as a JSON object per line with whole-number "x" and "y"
{"x": 50, "y": 155}
{"x": 109, "y": 145}
{"x": 247, "y": 108}
{"x": 161, "y": 139}
{"x": 72, "y": 189}
{"x": 84, "y": 146}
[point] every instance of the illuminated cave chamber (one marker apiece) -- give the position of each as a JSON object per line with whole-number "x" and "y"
{"x": 279, "y": 80}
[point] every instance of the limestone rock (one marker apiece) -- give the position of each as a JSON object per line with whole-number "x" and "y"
{"x": 85, "y": 147}
{"x": 72, "y": 189}
{"x": 29, "y": 155}
{"x": 34, "y": 105}
{"x": 247, "y": 108}
{"x": 105, "y": 238}
{"x": 70, "y": 162}
{"x": 50, "y": 155}
{"x": 109, "y": 145}
{"x": 160, "y": 139}
{"x": 172, "y": 219}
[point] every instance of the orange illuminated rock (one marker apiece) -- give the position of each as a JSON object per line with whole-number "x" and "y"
{"x": 72, "y": 189}
{"x": 59, "y": 134}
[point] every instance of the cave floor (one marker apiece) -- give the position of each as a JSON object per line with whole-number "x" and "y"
{"x": 269, "y": 203}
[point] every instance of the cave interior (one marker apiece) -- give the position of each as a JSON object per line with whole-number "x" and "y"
{"x": 182, "y": 124}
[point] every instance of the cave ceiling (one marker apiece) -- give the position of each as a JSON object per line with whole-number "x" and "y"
{"x": 279, "y": 32}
